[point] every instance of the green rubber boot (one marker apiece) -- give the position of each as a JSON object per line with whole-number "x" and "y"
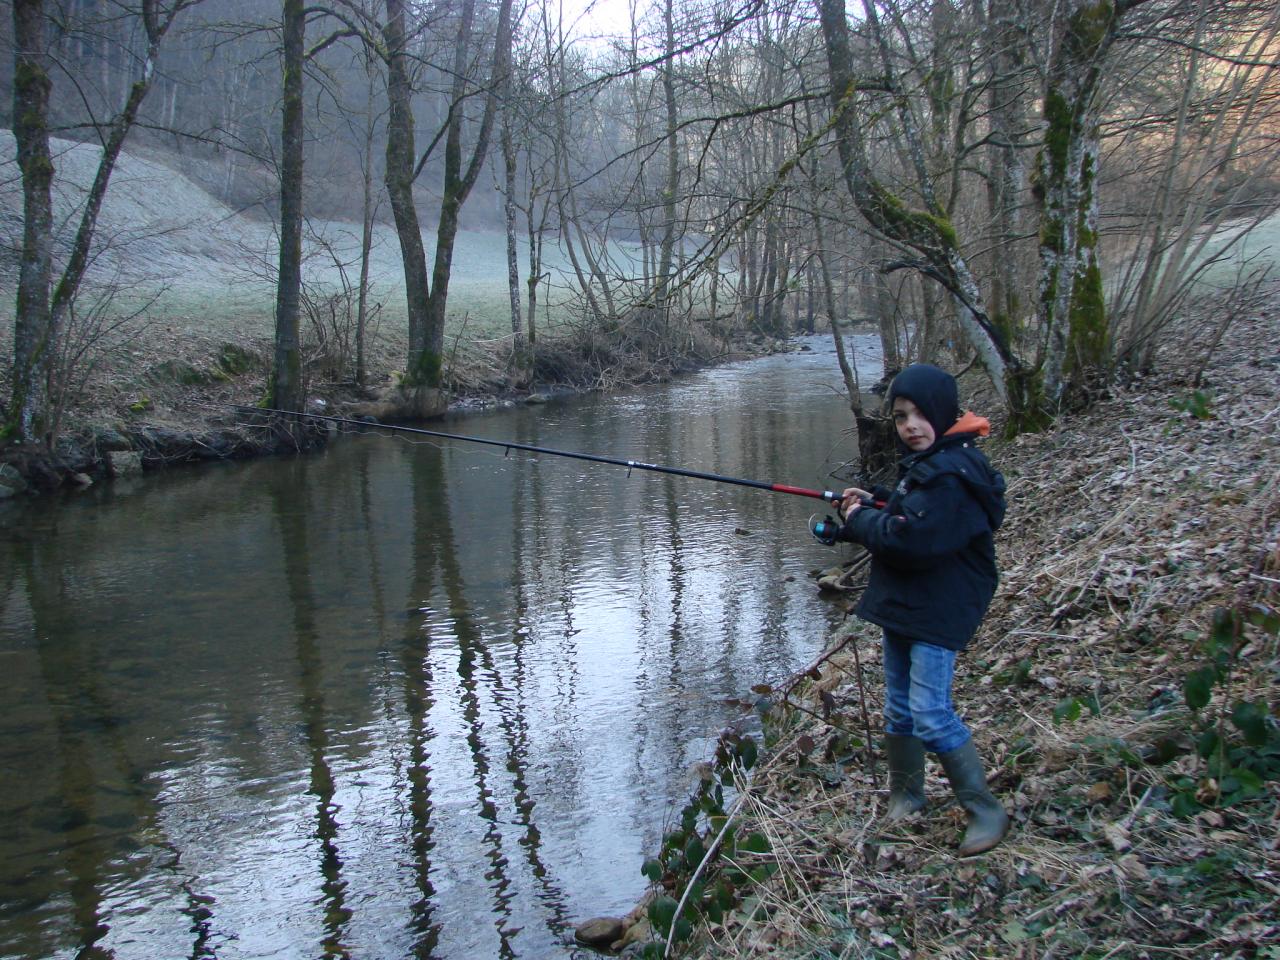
{"x": 906, "y": 776}
{"x": 988, "y": 823}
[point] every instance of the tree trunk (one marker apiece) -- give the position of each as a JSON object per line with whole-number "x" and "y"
{"x": 399, "y": 175}
{"x": 367, "y": 210}
{"x": 286, "y": 390}
{"x": 535, "y": 233}
{"x": 928, "y": 232}
{"x": 671, "y": 187}
{"x": 1006, "y": 176}
{"x": 847, "y": 370}
{"x": 39, "y": 318}
{"x": 35, "y": 338}
{"x": 1072, "y": 308}
{"x": 426, "y": 366}
{"x": 519, "y": 358}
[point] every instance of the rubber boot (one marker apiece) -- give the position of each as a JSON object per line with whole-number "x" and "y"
{"x": 988, "y": 822}
{"x": 906, "y": 776}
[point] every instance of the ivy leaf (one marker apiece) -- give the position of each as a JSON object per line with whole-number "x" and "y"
{"x": 652, "y": 869}
{"x": 1068, "y": 710}
{"x": 694, "y": 851}
{"x": 661, "y": 912}
{"x": 1198, "y": 688}
{"x": 1241, "y": 784}
{"x": 1185, "y": 804}
{"x": 1224, "y": 634}
{"x": 1266, "y": 618}
{"x": 683, "y": 930}
{"x": 756, "y": 843}
{"x": 1251, "y": 720}
{"x": 1208, "y": 744}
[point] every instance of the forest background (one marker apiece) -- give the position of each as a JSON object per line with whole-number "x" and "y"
{"x": 1034, "y": 189}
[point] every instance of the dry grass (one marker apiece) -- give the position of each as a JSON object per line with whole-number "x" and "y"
{"x": 1129, "y": 525}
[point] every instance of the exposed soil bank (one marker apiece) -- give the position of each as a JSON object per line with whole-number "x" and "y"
{"x": 142, "y": 415}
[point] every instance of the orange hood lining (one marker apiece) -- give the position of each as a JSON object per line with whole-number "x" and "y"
{"x": 970, "y": 422}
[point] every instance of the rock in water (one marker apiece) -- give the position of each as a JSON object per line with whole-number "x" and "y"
{"x": 599, "y": 931}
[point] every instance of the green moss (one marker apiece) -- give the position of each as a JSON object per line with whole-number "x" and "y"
{"x": 141, "y": 405}
{"x": 175, "y": 371}
{"x": 1087, "y": 30}
{"x": 233, "y": 361}
{"x": 945, "y": 229}
{"x": 1028, "y": 410}
{"x": 1004, "y": 323}
{"x": 1051, "y": 234}
{"x": 1050, "y": 292}
{"x": 1057, "y": 136}
{"x": 1087, "y": 332}
{"x": 918, "y": 226}
{"x": 425, "y": 370}
{"x": 28, "y": 74}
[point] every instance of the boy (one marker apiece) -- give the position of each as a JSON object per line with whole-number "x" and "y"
{"x": 933, "y": 572}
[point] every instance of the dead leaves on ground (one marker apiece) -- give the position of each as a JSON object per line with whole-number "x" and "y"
{"x": 1128, "y": 525}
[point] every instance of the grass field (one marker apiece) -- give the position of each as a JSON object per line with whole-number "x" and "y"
{"x": 211, "y": 269}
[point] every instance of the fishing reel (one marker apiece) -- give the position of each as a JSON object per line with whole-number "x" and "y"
{"x": 826, "y": 531}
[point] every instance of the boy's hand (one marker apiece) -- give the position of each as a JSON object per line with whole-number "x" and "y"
{"x": 852, "y": 501}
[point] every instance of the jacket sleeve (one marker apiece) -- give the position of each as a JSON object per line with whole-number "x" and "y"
{"x": 928, "y": 524}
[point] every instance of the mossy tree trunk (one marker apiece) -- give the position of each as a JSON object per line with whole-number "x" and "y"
{"x": 286, "y": 390}
{"x": 399, "y": 172}
{"x": 520, "y": 363}
{"x": 34, "y": 335}
{"x": 671, "y": 184}
{"x": 39, "y": 315}
{"x": 928, "y": 232}
{"x": 425, "y": 368}
{"x": 1072, "y": 309}
{"x": 1008, "y": 101}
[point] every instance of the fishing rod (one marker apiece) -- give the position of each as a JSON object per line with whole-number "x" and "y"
{"x": 830, "y": 496}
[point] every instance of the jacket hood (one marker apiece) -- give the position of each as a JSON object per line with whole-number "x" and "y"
{"x": 958, "y": 455}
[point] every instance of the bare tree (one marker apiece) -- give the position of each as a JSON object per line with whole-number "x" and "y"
{"x": 38, "y": 315}
{"x": 286, "y": 390}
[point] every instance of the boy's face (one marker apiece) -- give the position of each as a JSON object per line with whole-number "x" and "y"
{"x": 913, "y": 429}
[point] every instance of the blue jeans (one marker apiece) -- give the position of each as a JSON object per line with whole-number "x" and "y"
{"x": 917, "y": 702}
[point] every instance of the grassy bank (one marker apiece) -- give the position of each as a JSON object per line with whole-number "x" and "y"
{"x": 1124, "y": 691}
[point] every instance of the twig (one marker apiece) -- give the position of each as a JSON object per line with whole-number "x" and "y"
{"x": 706, "y": 858}
{"x": 866, "y": 719}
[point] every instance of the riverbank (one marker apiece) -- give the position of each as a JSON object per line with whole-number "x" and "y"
{"x": 177, "y": 401}
{"x": 1124, "y": 691}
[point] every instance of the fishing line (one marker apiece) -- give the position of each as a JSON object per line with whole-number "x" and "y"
{"x": 829, "y": 496}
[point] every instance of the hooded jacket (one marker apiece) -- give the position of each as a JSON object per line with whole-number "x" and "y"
{"x": 933, "y": 564}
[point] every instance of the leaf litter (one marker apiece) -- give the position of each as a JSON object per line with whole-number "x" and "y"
{"x": 1130, "y": 524}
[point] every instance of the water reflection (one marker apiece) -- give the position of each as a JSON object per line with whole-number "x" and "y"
{"x": 397, "y": 699}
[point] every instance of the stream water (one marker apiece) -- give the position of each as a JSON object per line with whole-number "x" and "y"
{"x": 398, "y": 698}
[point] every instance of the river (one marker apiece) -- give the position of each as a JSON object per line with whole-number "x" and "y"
{"x": 399, "y": 698}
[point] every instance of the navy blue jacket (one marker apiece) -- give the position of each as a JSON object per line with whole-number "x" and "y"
{"x": 933, "y": 559}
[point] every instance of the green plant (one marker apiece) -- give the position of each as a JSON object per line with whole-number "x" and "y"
{"x": 1197, "y": 403}
{"x": 1239, "y": 745}
{"x": 703, "y": 833}
{"x": 1070, "y": 709}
